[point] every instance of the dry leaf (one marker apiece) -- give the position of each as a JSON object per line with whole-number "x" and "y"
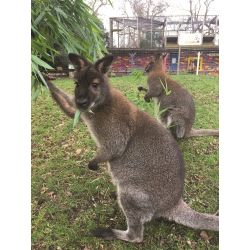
{"x": 200, "y": 176}
{"x": 189, "y": 242}
{"x": 50, "y": 138}
{"x": 86, "y": 150}
{"x": 49, "y": 173}
{"x": 80, "y": 135}
{"x": 163, "y": 241}
{"x": 197, "y": 151}
{"x": 78, "y": 151}
{"x": 68, "y": 194}
{"x": 43, "y": 190}
{"x": 75, "y": 130}
{"x": 101, "y": 247}
{"x": 112, "y": 181}
{"x": 51, "y": 193}
{"x": 61, "y": 124}
{"x": 204, "y": 235}
{"x": 65, "y": 146}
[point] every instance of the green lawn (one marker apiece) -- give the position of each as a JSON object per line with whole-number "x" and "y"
{"x": 68, "y": 200}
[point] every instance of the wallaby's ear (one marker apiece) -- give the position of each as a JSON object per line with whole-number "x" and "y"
{"x": 104, "y": 64}
{"x": 164, "y": 55}
{"x": 79, "y": 62}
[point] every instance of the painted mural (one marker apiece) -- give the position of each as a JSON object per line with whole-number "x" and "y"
{"x": 210, "y": 64}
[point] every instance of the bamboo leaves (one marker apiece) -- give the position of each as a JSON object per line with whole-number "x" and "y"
{"x": 66, "y": 26}
{"x": 158, "y": 111}
{"x": 76, "y": 118}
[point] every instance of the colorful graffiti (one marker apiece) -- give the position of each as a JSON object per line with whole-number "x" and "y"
{"x": 123, "y": 64}
{"x": 210, "y": 65}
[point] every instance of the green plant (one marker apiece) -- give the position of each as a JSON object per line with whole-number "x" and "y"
{"x": 137, "y": 75}
{"x": 65, "y": 25}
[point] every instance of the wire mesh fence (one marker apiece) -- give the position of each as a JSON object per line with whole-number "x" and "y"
{"x": 155, "y": 32}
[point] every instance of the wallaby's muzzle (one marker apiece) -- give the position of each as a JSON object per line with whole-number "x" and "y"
{"x": 82, "y": 101}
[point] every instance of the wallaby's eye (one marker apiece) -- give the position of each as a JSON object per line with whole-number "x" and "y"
{"x": 95, "y": 85}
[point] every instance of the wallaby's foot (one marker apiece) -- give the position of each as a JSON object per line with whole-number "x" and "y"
{"x": 141, "y": 88}
{"x": 147, "y": 99}
{"x": 110, "y": 234}
{"x": 93, "y": 166}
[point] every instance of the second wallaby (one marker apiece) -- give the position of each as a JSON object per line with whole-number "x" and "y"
{"x": 143, "y": 158}
{"x": 180, "y": 113}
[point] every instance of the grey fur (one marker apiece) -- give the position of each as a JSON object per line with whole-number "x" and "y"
{"x": 181, "y": 109}
{"x": 144, "y": 160}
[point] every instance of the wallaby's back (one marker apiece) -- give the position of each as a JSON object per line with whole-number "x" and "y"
{"x": 180, "y": 113}
{"x": 180, "y": 104}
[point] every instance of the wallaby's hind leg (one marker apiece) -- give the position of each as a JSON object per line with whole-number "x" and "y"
{"x": 185, "y": 215}
{"x": 137, "y": 209}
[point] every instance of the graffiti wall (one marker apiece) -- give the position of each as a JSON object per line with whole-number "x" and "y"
{"x": 210, "y": 64}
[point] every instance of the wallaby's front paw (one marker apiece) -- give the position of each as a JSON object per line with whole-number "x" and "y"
{"x": 92, "y": 166}
{"x": 140, "y": 88}
{"x": 147, "y": 99}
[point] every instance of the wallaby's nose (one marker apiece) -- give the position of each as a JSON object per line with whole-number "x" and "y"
{"x": 83, "y": 101}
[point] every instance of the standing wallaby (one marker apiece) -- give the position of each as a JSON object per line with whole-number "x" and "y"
{"x": 143, "y": 158}
{"x": 180, "y": 111}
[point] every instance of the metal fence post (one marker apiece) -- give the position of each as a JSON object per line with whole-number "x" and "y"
{"x": 137, "y": 32}
{"x": 132, "y": 64}
{"x": 179, "y": 56}
{"x": 111, "y": 33}
{"x": 123, "y": 33}
{"x": 198, "y": 63}
{"x": 151, "y": 31}
{"x": 165, "y": 63}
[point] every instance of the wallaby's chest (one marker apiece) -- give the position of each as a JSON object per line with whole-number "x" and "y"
{"x": 88, "y": 120}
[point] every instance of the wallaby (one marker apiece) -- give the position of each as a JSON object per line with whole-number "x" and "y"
{"x": 143, "y": 158}
{"x": 180, "y": 113}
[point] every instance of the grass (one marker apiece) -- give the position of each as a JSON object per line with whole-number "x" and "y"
{"x": 68, "y": 200}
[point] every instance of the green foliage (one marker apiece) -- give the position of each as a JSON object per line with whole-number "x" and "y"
{"x": 137, "y": 75}
{"x": 62, "y": 25}
{"x": 158, "y": 112}
{"x": 77, "y": 116}
{"x": 165, "y": 87}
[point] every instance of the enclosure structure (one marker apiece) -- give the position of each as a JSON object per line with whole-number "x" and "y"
{"x": 155, "y": 32}
{"x": 134, "y": 42}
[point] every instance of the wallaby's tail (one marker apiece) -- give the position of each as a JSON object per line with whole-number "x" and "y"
{"x": 203, "y": 132}
{"x": 185, "y": 215}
